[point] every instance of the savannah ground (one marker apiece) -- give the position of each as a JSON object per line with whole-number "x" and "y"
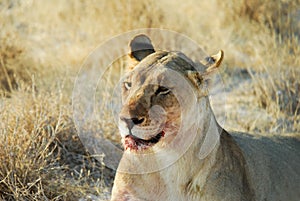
{"x": 44, "y": 43}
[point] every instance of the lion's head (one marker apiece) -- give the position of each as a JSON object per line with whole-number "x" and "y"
{"x": 160, "y": 91}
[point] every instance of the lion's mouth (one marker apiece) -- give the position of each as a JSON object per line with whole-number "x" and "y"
{"x": 132, "y": 142}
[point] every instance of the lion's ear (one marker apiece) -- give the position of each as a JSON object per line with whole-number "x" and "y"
{"x": 213, "y": 62}
{"x": 203, "y": 80}
{"x": 140, "y": 47}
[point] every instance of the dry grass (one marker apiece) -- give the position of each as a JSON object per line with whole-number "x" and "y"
{"x": 43, "y": 43}
{"x": 15, "y": 68}
{"x": 42, "y": 157}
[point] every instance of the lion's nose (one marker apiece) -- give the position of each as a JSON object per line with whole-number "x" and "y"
{"x": 132, "y": 121}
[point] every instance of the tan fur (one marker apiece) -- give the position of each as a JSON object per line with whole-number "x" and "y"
{"x": 238, "y": 167}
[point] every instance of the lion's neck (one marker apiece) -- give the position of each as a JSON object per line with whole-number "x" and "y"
{"x": 191, "y": 171}
{"x": 196, "y": 174}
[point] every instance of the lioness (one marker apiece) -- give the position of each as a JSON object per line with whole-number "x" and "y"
{"x": 176, "y": 150}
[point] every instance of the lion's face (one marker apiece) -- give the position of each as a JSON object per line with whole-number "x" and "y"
{"x": 155, "y": 94}
{"x": 151, "y": 114}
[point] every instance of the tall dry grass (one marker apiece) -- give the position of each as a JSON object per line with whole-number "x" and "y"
{"x": 43, "y": 43}
{"x": 41, "y": 155}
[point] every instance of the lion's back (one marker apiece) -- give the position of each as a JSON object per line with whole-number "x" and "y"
{"x": 273, "y": 164}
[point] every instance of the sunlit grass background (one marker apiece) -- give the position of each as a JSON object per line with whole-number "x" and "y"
{"x": 44, "y": 43}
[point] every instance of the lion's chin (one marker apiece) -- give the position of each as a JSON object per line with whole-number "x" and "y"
{"x": 134, "y": 143}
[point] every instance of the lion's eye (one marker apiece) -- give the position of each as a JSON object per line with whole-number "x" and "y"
{"x": 127, "y": 85}
{"x": 162, "y": 91}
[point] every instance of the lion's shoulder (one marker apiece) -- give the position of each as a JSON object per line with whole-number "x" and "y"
{"x": 275, "y": 159}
